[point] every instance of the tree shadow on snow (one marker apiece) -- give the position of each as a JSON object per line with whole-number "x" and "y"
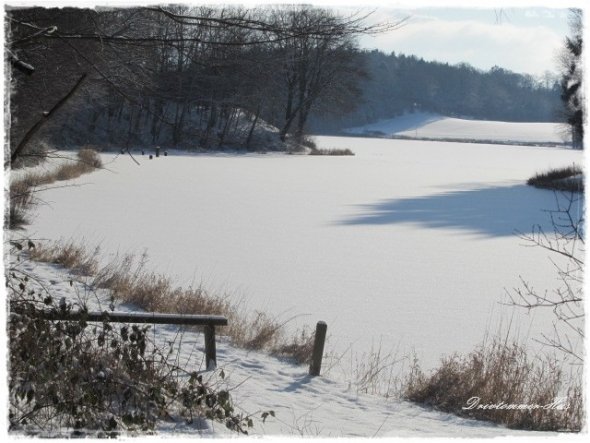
{"x": 491, "y": 212}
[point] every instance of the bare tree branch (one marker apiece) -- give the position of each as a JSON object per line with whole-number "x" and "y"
{"x": 46, "y": 115}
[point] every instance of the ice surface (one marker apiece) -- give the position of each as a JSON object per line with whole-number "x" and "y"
{"x": 407, "y": 245}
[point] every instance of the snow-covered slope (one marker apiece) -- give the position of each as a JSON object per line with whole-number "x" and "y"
{"x": 303, "y": 405}
{"x": 433, "y": 126}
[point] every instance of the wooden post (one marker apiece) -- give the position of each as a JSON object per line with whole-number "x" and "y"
{"x": 318, "y": 348}
{"x": 210, "y": 351}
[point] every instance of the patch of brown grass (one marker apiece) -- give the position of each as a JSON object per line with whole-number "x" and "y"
{"x": 255, "y": 331}
{"x": 500, "y": 375}
{"x": 90, "y": 158}
{"x": 68, "y": 255}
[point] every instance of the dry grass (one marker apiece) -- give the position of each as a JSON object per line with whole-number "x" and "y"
{"x": 315, "y": 151}
{"x": 130, "y": 282}
{"x": 90, "y": 158}
{"x": 501, "y": 374}
{"x": 21, "y": 198}
{"x": 375, "y": 371}
{"x": 22, "y": 191}
{"x": 299, "y": 347}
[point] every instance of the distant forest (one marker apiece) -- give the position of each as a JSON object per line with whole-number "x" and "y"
{"x": 396, "y": 84}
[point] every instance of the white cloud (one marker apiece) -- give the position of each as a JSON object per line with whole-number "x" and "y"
{"x": 527, "y": 49}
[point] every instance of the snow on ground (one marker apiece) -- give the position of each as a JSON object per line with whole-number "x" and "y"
{"x": 433, "y": 126}
{"x": 303, "y": 405}
{"x": 408, "y": 245}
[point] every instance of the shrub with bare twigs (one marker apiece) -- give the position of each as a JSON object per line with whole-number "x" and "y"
{"x": 68, "y": 378}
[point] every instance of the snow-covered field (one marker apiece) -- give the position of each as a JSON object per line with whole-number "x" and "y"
{"x": 433, "y": 126}
{"x": 408, "y": 245}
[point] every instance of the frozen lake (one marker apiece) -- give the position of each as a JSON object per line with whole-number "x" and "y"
{"x": 407, "y": 244}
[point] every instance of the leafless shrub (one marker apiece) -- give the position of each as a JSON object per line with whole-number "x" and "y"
{"x": 560, "y": 179}
{"x": 20, "y": 200}
{"x": 69, "y": 378}
{"x": 566, "y": 246}
{"x": 308, "y": 142}
{"x": 503, "y": 374}
{"x": 90, "y": 157}
{"x": 16, "y": 216}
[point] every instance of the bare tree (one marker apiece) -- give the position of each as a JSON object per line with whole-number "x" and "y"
{"x": 175, "y": 74}
{"x": 566, "y": 246}
{"x": 320, "y": 52}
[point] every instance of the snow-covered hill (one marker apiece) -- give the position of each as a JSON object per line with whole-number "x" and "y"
{"x": 433, "y": 126}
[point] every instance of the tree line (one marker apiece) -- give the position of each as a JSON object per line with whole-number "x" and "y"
{"x": 210, "y": 77}
{"x": 185, "y": 76}
{"x": 396, "y": 84}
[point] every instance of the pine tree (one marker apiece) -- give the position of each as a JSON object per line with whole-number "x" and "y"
{"x": 571, "y": 81}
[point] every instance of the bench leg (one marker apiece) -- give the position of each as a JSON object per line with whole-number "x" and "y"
{"x": 210, "y": 351}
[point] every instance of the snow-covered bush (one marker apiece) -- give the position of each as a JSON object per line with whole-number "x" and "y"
{"x": 77, "y": 378}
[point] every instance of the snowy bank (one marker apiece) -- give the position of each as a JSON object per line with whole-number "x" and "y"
{"x": 438, "y": 127}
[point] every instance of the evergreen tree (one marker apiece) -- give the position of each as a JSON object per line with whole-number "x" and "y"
{"x": 571, "y": 81}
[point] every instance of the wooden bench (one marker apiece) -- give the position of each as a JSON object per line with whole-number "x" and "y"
{"x": 208, "y": 321}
